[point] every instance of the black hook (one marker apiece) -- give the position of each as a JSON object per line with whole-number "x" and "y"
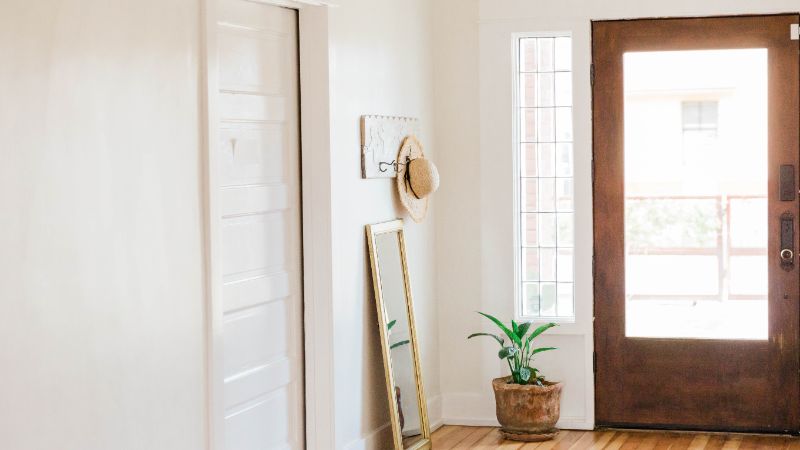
{"x": 394, "y": 164}
{"x": 384, "y": 169}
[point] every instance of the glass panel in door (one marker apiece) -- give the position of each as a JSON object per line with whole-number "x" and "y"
{"x": 696, "y": 194}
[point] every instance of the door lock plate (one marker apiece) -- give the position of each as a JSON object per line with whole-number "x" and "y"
{"x": 787, "y": 241}
{"x": 787, "y": 188}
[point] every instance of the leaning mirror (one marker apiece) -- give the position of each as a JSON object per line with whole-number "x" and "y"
{"x": 407, "y": 408}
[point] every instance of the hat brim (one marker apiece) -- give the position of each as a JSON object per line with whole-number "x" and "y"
{"x": 417, "y": 207}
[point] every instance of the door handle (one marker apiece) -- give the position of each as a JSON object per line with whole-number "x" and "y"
{"x": 787, "y": 241}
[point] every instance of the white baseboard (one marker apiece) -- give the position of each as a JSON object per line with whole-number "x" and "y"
{"x": 435, "y": 425}
{"x": 377, "y": 438}
{"x": 479, "y": 411}
{"x": 471, "y": 421}
{"x": 575, "y": 423}
{"x": 435, "y": 412}
{"x": 565, "y": 423}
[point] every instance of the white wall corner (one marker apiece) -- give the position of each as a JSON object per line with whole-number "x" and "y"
{"x": 435, "y": 412}
{"x": 379, "y": 437}
{"x": 469, "y": 409}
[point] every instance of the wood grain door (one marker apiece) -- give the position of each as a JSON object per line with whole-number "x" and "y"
{"x": 260, "y": 231}
{"x": 696, "y": 306}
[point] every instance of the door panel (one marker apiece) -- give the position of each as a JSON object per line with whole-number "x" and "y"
{"x": 251, "y": 154}
{"x": 256, "y": 425}
{"x": 696, "y": 321}
{"x": 259, "y": 201}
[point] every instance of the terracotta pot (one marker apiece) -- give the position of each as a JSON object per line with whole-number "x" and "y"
{"x": 527, "y": 412}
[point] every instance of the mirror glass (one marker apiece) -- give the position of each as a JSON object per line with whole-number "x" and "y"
{"x": 409, "y": 420}
{"x": 390, "y": 269}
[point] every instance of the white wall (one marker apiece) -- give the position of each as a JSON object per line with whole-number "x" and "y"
{"x": 101, "y": 287}
{"x": 458, "y": 220}
{"x": 475, "y": 232}
{"x": 381, "y": 63}
{"x": 101, "y": 275}
{"x": 101, "y": 282}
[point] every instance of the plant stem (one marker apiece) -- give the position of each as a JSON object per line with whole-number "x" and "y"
{"x": 513, "y": 377}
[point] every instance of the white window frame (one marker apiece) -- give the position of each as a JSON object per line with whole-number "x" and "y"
{"x": 516, "y": 146}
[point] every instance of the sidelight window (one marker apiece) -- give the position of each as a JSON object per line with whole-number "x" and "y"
{"x": 545, "y": 213}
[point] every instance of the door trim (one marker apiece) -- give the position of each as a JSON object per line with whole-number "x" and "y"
{"x": 317, "y": 239}
{"x": 609, "y": 285}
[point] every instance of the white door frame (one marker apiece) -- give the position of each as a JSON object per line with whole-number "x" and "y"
{"x": 316, "y": 209}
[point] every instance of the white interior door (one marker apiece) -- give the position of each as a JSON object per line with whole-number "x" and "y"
{"x": 260, "y": 234}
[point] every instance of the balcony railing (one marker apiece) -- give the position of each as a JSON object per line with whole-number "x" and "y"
{"x": 667, "y": 230}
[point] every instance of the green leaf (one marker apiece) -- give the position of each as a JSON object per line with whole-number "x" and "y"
{"x": 524, "y": 374}
{"x": 507, "y": 352}
{"x": 522, "y": 329}
{"x": 540, "y": 330}
{"x": 398, "y": 344}
{"x": 542, "y": 349}
{"x": 391, "y": 324}
{"x": 514, "y": 338}
{"x": 514, "y": 327}
{"x": 497, "y": 338}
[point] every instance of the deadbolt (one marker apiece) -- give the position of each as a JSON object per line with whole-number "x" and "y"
{"x": 787, "y": 241}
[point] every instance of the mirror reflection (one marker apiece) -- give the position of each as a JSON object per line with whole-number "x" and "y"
{"x": 390, "y": 268}
{"x": 409, "y": 419}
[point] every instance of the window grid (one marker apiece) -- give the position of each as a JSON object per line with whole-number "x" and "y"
{"x": 546, "y": 200}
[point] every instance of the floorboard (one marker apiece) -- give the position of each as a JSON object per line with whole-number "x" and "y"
{"x": 485, "y": 438}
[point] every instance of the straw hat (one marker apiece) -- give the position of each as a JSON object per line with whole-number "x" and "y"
{"x": 417, "y": 178}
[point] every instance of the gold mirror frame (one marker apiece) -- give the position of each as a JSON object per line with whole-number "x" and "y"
{"x": 373, "y": 231}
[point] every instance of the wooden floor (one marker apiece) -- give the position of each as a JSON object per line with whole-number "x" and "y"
{"x": 458, "y": 437}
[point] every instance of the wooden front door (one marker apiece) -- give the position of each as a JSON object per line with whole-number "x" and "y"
{"x": 696, "y": 135}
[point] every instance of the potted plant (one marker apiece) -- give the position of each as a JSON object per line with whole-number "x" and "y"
{"x": 527, "y": 405}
